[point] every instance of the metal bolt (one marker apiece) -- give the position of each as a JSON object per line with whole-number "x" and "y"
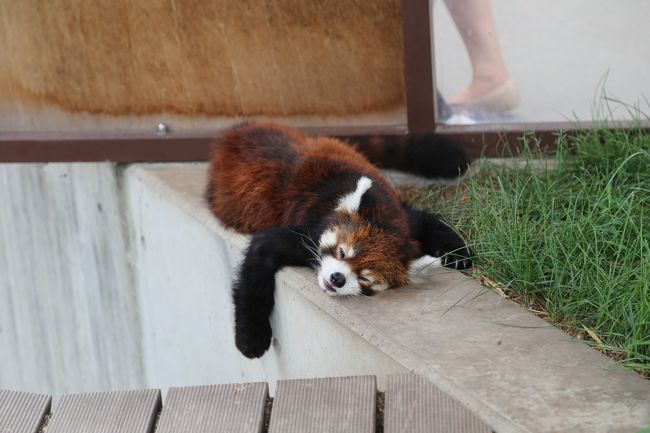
{"x": 162, "y": 129}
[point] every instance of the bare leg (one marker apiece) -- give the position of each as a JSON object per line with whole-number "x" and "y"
{"x": 475, "y": 24}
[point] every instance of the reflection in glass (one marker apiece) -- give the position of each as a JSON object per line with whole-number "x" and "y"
{"x": 522, "y": 61}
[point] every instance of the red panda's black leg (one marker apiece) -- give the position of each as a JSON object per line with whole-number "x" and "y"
{"x": 438, "y": 239}
{"x": 253, "y": 292}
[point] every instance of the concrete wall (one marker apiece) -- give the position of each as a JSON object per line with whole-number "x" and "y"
{"x": 67, "y": 310}
{"x": 184, "y": 263}
{"x": 108, "y": 282}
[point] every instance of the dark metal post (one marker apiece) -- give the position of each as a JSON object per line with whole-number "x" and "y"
{"x": 418, "y": 66}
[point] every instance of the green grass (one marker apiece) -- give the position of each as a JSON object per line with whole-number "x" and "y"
{"x": 572, "y": 241}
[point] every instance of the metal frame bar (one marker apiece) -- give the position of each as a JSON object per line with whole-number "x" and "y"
{"x": 183, "y": 146}
{"x": 475, "y": 140}
{"x": 419, "y": 75}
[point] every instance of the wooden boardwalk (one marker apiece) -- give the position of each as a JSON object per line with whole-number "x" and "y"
{"x": 333, "y": 405}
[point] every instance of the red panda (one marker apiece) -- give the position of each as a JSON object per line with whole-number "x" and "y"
{"x": 315, "y": 201}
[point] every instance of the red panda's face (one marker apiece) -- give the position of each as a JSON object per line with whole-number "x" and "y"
{"x": 357, "y": 258}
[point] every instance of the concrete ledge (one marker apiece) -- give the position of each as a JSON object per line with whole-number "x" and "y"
{"x": 516, "y": 372}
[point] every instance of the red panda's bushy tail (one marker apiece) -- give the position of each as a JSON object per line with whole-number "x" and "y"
{"x": 424, "y": 155}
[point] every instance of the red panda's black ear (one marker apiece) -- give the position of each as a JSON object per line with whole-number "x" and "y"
{"x": 420, "y": 270}
{"x": 350, "y": 202}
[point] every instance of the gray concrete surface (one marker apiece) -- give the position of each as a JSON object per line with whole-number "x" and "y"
{"x": 558, "y": 53}
{"x": 67, "y": 314}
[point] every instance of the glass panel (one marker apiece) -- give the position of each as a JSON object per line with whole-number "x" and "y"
{"x": 524, "y": 61}
{"x": 70, "y": 65}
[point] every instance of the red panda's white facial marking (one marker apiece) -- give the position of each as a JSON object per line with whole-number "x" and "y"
{"x": 346, "y": 252}
{"x": 369, "y": 280}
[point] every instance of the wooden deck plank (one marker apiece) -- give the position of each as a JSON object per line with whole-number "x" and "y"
{"x": 341, "y": 405}
{"x": 22, "y": 412}
{"x": 414, "y": 405}
{"x": 214, "y": 409}
{"x": 107, "y": 412}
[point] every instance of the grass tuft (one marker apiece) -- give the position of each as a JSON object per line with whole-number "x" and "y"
{"x": 571, "y": 242}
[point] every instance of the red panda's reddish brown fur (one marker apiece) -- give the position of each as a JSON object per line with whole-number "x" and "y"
{"x": 251, "y": 190}
{"x": 244, "y": 190}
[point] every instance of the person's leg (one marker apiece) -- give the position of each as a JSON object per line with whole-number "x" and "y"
{"x": 475, "y": 24}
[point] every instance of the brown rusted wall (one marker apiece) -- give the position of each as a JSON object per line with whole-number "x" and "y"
{"x": 202, "y": 57}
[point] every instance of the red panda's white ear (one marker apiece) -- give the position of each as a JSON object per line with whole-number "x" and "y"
{"x": 350, "y": 203}
{"x": 422, "y": 269}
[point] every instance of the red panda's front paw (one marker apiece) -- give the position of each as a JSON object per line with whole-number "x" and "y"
{"x": 253, "y": 339}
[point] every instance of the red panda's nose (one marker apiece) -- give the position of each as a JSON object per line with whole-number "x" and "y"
{"x": 337, "y": 279}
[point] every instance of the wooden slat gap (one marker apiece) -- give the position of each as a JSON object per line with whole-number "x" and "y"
{"x": 268, "y": 408}
{"x": 44, "y": 423}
